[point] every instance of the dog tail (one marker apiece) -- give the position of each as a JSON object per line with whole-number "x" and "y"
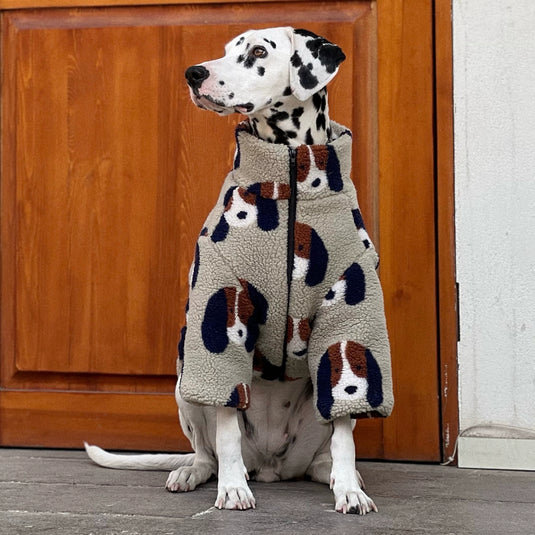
{"x": 158, "y": 461}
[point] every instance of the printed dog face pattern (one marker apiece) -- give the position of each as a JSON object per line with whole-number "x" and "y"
{"x": 254, "y": 205}
{"x": 297, "y": 336}
{"x": 317, "y": 168}
{"x": 348, "y": 371}
{"x": 233, "y": 315}
{"x": 351, "y": 287}
{"x": 310, "y": 255}
{"x": 240, "y": 396}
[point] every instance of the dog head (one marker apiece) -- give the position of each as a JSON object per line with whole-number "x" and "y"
{"x": 348, "y": 372}
{"x": 262, "y": 67}
{"x": 351, "y": 287}
{"x": 297, "y": 336}
{"x": 233, "y": 315}
{"x": 318, "y": 167}
{"x": 245, "y": 207}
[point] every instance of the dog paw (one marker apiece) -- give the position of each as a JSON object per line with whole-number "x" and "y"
{"x": 240, "y": 498}
{"x": 234, "y": 493}
{"x": 350, "y": 499}
{"x": 186, "y": 478}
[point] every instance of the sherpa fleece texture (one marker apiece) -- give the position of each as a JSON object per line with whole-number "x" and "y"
{"x": 256, "y": 307}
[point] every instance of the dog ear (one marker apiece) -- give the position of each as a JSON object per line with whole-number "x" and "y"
{"x": 214, "y": 325}
{"x": 355, "y": 284}
{"x": 319, "y": 258}
{"x": 325, "y": 399}
{"x": 314, "y": 63}
{"x": 268, "y": 214}
{"x": 334, "y": 177}
{"x": 375, "y": 380}
{"x": 221, "y": 229}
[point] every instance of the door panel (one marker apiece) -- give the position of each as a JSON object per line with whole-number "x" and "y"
{"x": 108, "y": 172}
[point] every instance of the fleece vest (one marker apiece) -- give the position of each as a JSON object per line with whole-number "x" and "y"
{"x": 283, "y": 285}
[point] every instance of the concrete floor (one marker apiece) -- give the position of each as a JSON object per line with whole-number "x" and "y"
{"x": 61, "y": 492}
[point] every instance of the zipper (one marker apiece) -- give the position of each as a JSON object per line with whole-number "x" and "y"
{"x": 292, "y": 210}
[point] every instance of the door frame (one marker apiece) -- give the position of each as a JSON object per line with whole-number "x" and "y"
{"x": 447, "y": 297}
{"x": 446, "y": 292}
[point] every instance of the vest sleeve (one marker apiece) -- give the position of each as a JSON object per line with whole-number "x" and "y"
{"x": 223, "y": 320}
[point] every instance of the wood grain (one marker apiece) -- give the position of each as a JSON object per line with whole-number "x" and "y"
{"x": 407, "y": 224}
{"x": 32, "y": 4}
{"x": 124, "y": 421}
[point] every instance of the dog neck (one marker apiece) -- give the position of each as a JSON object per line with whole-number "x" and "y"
{"x": 293, "y": 122}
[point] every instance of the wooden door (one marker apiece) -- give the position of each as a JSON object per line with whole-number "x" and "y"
{"x": 108, "y": 172}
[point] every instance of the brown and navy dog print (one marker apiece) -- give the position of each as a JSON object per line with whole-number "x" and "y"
{"x": 318, "y": 168}
{"x": 256, "y": 205}
{"x": 348, "y": 371}
{"x": 297, "y": 336}
{"x": 240, "y": 397}
{"x": 350, "y": 288}
{"x": 310, "y": 255}
{"x": 233, "y": 315}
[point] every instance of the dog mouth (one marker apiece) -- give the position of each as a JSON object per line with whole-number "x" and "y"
{"x": 209, "y": 103}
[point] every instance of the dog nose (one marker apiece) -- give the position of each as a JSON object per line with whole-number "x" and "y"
{"x": 196, "y": 75}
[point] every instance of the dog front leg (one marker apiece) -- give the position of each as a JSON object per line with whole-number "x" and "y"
{"x": 232, "y": 489}
{"x": 345, "y": 481}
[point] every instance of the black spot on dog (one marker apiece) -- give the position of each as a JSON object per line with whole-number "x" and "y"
{"x": 249, "y": 61}
{"x": 278, "y": 104}
{"x": 231, "y": 95}
{"x": 306, "y": 78}
{"x": 306, "y": 33}
{"x": 240, "y": 59}
{"x": 270, "y": 43}
{"x": 287, "y": 92}
{"x": 221, "y": 82}
{"x": 319, "y": 100}
{"x": 316, "y": 100}
{"x": 296, "y": 114}
{"x": 261, "y": 71}
{"x": 296, "y": 60}
{"x": 320, "y": 121}
{"x": 279, "y": 116}
{"x": 329, "y": 55}
{"x": 240, "y": 41}
{"x": 309, "y": 140}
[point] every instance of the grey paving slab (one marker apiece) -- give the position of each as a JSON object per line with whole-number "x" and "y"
{"x": 61, "y": 492}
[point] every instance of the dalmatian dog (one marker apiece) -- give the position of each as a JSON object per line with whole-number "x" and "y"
{"x": 275, "y": 77}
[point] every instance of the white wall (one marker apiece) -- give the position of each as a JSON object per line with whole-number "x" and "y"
{"x": 494, "y": 97}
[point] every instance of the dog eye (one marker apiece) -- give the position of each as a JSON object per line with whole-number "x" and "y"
{"x": 259, "y": 52}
